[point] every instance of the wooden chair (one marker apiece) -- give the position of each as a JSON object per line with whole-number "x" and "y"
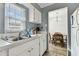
{"x": 58, "y": 39}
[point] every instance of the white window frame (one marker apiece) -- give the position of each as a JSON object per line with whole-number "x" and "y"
{"x": 19, "y": 22}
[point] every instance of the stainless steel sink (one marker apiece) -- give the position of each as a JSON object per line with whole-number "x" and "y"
{"x": 14, "y": 39}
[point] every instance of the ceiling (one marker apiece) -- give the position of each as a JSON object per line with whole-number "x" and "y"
{"x": 42, "y": 5}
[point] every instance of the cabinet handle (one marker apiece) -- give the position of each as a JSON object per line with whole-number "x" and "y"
{"x": 31, "y": 48}
{"x": 29, "y": 51}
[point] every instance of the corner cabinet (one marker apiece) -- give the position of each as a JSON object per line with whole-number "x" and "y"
{"x": 34, "y": 15}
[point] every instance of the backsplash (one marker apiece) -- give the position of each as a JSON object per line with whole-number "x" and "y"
{"x": 31, "y": 25}
{"x": 1, "y": 36}
{"x": 8, "y": 35}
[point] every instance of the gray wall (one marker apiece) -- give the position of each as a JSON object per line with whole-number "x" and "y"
{"x": 1, "y": 18}
{"x": 71, "y": 9}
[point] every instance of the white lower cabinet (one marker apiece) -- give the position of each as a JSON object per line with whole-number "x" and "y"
{"x": 35, "y": 48}
{"x": 20, "y": 50}
{"x": 30, "y": 48}
{"x": 41, "y": 47}
{"x": 42, "y": 44}
{"x": 3, "y": 53}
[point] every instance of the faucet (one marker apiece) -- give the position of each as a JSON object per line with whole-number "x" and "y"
{"x": 19, "y": 34}
{"x": 19, "y": 38}
{"x": 6, "y": 37}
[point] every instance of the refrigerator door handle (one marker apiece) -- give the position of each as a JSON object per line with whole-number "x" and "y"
{"x": 72, "y": 20}
{"x": 77, "y": 37}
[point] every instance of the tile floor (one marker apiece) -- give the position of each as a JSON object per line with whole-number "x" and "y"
{"x": 56, "y": 51}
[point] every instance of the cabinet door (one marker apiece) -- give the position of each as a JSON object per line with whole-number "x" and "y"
{"x": 44, "y": 42}
{"x": 23, "y": 50}
{"x": 35, "y": 47}
{"x": 37, "y": 16}
{"x": 44, "y": 45}
{"x": 31, "y": 14}
{"x": 34, "y": 15}
{"x": 27, "y": 52}
{"x": 41, "y": 46}
{"x": 30, "y": 48}
{"x": 3, "y": 53}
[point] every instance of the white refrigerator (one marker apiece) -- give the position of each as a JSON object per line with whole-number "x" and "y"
{"x": 75, "y": 33}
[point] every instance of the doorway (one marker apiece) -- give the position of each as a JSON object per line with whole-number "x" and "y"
{"x": 58, "y": 32}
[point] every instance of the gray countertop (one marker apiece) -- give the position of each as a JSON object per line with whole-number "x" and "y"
{"x": 5, "y": 44}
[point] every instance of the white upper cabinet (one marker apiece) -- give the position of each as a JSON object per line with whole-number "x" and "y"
{"x": 31, "y": 14}
{"x": 43, "y": 44}
{"x": 34, "y": 15}
{"x": 37, "y": 16}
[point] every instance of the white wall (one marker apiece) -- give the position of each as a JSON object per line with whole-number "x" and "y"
{"x": 61, "y": 25}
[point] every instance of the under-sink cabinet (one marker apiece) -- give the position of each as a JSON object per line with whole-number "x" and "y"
{"x": 21, "y": 50}
{"x": 27, "y": 49}
{"x": 3, "y": 53}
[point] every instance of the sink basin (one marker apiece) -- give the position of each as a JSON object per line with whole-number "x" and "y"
{"x": 3, "y": 43}
{"x": 13, "y": 39}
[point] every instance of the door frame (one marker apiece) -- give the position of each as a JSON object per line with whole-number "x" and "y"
{"x": 67, "y": 29}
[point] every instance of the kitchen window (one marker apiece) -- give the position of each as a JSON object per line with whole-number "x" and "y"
{"x": 15, "y": 18}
